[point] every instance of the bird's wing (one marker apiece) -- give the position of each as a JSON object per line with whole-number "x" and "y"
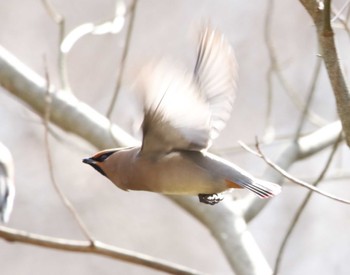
{"x": 175, "y": 114}
{"x": 187, "y": 110}
{"x": 215, "y": 74}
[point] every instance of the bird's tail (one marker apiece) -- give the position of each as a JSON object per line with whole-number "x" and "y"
{"x": 264, "y": 189}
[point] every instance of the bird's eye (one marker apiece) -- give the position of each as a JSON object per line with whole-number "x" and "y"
{"x": 102, "y": 157}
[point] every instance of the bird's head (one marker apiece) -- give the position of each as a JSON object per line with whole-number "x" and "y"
{"x": 97, "y": 160}
{"x": 112, "y": 162}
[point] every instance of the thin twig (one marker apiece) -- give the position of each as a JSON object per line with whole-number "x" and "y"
{"x": 309, "y": 186}
{"x": 269, "y": 129}
{"x": 114, "y": 26}
{"x": 75, "y": 146}
{"x": 293, "y": 152}
{"x": 62, "y": 59}
{"x": 302, "y": 207}
{"x": 309, "y": 98}
{"x": 312, "y": 116}
{"x": 97, "y": 248}
{"x": 337, "y": 175}
{"x": 278, "y": 140}
{"x": 61, "y": 194}
{"x": 347, "y": 15}
{"x": 274, "y": 66}
{"x": 338, "y": 13}
{"x": 123, "y": 59}
{"x": 344, "y": 23}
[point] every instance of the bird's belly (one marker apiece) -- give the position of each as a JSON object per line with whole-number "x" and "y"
{"x": 177, "y": 178}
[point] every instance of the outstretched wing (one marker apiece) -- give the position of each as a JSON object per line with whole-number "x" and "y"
{"x": 176, "y": 116}
{"x": 186, "y": 110}
{"x": 216, "y": 74}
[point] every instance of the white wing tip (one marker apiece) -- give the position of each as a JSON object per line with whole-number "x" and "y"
{"x": 265, "y": 189}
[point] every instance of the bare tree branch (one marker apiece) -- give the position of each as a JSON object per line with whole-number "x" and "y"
{"x": 68, "y": 112}
{"x": 62, "y": 60}
{"x": 285, "y": 174}
{"x": 269, "y": 129}
{"x": 123, "y": 60}
{"x": 340, "y": 11}
{"x": 231, "y": 232}
{"x": 305, "y": 147}
{"x": 97, "y": 248}
{"x": 275, "y": 68}
{"x": 320, "y": 14}
{"x": 59, "y": 191}
{"x": 311, "y": 92}
{"x": 302, "y": 207}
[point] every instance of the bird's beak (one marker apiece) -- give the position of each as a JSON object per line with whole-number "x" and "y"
{"x": 89, "y": 161}
{"x": 95, "y": 165}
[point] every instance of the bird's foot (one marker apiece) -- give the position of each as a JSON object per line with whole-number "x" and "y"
{"x": 210, "y": 198}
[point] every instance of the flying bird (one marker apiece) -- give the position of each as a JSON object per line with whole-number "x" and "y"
{"x": 184, "y": 111}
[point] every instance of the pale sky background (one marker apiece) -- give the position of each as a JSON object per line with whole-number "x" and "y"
{"x": 146, "y": 222}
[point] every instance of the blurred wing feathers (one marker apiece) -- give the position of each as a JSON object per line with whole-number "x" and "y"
{"x": 215, "y": 73}
{"x": 186, "y": 110}
{"x": 176, "y": 117}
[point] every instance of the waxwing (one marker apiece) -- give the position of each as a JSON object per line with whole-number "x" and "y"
{"x": 183, "y": 112}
